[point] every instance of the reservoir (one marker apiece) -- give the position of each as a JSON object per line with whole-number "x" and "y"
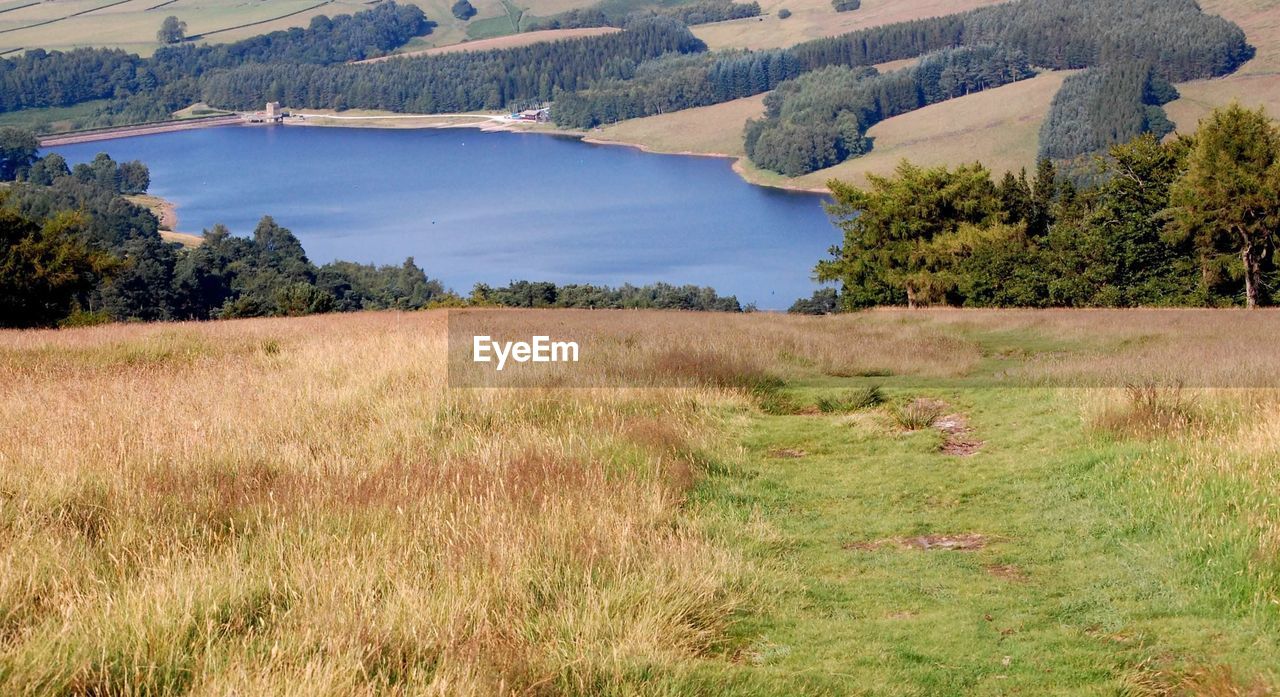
{"x": 492, "y": 207}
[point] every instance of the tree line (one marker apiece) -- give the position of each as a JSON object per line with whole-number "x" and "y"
{"x": 821, "y": 119}
{"x": 452, "y": 82}
{"x": 659, "y": 296}
{"x": 672, "y": 83}
{"x": 1188, "y": 222}
{"x": 621, "y": 15}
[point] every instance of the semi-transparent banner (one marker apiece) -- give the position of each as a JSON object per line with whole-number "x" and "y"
{"x": 1007, "y": 348}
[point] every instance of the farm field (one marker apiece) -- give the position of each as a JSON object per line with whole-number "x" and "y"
{"x": 814, "y": 19}
{"x": 132, "y": 24}
{"x": 895, "y": 502}
{"x": 510, "y": 41}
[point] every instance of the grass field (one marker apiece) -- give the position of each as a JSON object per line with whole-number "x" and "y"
{"x": 862, "y": 504}
{"x": 812, "y": 19}
{"x": 713, "y": 129}
{"x": 509, "y": 41}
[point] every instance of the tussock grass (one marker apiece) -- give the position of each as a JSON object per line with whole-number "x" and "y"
{"x": 917, "y": 414}
{"x": 1150, "y": 410}
{"x": 851, "y": 400}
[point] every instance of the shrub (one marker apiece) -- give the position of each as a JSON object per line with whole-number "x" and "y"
{"x": 918, "y": 414}
{"x": 463, "y": 10}
{"x": 83, "y": 318}
{"x": 784, "y": 13}
{"x": 846, "y": 5}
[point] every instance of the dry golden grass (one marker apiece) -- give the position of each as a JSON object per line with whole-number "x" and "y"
{"x": 301, "y": 506}
{"x": 812, "y": 19}
{"x": 705, "y": 130}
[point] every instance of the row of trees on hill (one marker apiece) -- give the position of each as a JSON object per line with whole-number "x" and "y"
{"x": 461, "y": 81}
{"x": 660, "y": 296}
{"x": 673, "y": 83}
{"x": 821, "y": 119}
{"x": 1189, "y": 222}
{"x": 616, "y": 15}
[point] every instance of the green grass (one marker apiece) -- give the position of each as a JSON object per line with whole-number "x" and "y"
{"x": 1080, "y": 589}
{"x": 52, "y": 119}
{"x": 501, "y": 25}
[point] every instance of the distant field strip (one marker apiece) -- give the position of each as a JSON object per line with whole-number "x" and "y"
{"x": 58, "y": 19}
{"x": 500, "y": 42}
{"x": 262, "y": 21}
{"x": 18, "y": 7}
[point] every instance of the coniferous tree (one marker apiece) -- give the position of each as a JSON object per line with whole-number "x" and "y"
{"x": 1228, "y": 200}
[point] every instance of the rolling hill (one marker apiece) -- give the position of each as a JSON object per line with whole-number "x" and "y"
{"x": 999, "y": 127}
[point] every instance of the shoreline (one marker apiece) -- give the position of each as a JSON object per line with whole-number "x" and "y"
{"x": 487, "y": 123}
{"x": 492, "y": 123}
{"x": 112, "y": 133}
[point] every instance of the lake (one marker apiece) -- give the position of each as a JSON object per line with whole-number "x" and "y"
{"x": 492, "y": 207}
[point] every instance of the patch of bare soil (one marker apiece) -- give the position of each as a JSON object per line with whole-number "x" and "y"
{"x": 966, "y": 542}
{"x": 959, "y": 440}
{"x": 1008, "y": 572}
{"x": 787, "y": 453}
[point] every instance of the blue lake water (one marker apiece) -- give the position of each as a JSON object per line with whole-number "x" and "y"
{"x": 492, "y": 207}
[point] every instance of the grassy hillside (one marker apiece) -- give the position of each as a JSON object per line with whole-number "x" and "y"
{"x": 829, "y": 506}
{"x": 999, "y": 128}
{"x": 1256, "y": 84}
